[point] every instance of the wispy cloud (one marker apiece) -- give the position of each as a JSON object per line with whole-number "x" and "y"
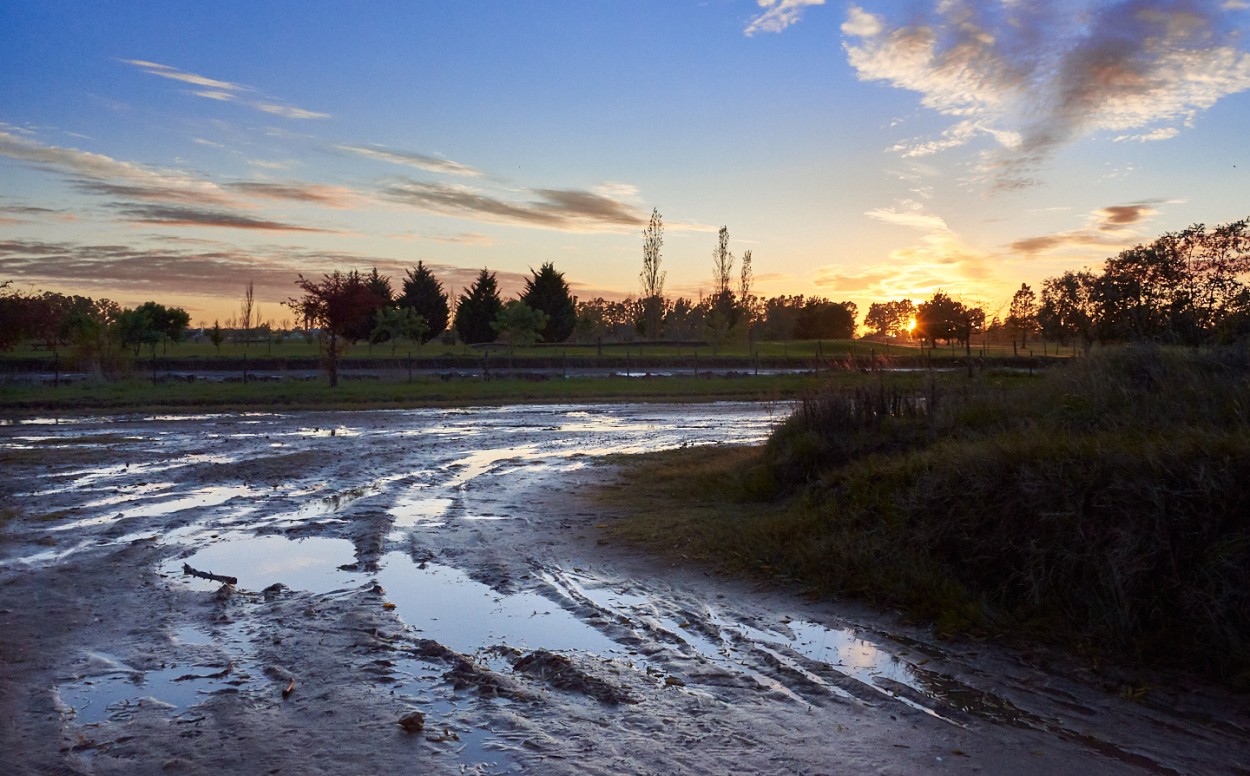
{"x": 172, "y": 215}
{"x": 937, "y": 259}
{"x": 570, "y": 210}
{"x": 226, "y": 91}
{"x": 1035, "y": 76}
{"x": 103, "y": 174}
{"x": 778, "y": 15}
{"x": 409, "y": 159}
{"x": 339, "y": 197}
{"x": 202, "y": 267}
{"x": 173, "y": 73}
{"x": 1107, "y": 229}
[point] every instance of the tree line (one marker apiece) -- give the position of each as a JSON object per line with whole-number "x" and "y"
{"x": 1187, "y": 287}
{"x": 99, "y": 332}
{"x": 1183, "y": 288}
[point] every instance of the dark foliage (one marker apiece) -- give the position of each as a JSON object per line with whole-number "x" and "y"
{"x": 424, "y": 293}
{"x": 548, "y": 293}
{"x": 477, "y": 309}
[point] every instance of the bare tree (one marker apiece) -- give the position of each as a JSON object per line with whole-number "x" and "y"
{"x": 246, "y": 312}
{"x": 651, "y": 277}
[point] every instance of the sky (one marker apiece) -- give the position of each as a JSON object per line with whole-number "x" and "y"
{"x": 176, "y": 151}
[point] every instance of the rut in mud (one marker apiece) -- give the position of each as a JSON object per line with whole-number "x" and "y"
{"x": 440, "y": 567}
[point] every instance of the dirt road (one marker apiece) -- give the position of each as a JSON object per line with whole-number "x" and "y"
{"x": 445, "y": 563}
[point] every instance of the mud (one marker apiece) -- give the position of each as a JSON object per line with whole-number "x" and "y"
{"x": 430, "y": 591}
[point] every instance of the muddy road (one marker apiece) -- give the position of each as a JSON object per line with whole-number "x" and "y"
{"x": 443, "y": 569}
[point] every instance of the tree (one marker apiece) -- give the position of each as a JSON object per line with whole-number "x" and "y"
{"x": 519, "y": 324}
{"x": 423, "y": 294}
{"x": 216, "y": 336}
{"x": 819, "y": 318}
{"x": 891, "y": 319}
{"x": 1067, "y": 311}
{"x": 391, "y": 323}
{"x": 723, "y": 313}
{"x": 1023, "y": 313}
{"x": 150, "y": 324}
{"x": 371, "y": 293}
{"x": 651, "y": 277}
{"x": 547, "y": 292}
{"x": 477, "y": 308}
{"x": 945, "y": 318}
{"x": 246, "y": 311}
{"x": 745, "y": 278}
{"x": 12, "y": 308}
{"x": 338, "y": 306}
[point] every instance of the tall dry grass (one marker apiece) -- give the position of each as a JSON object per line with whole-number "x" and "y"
{"x": 1105, "y": 505}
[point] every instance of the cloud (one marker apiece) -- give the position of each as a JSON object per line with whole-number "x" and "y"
{"x": 165, "y": 71}
{"x": 103, "y": 174}
{"x": 289, "y": 111}
{"x": 1036, "y": 76}
{"x": 1162, "y": 133}
{"x": 778, "y": 15}
{"x": 1107, "y": 229}
{"x": 205, "y": 267}
{"x": 224, "y": 91}
{"x": 562, "y": 209}
{"x": 339, "y": 197}
{"x": 407, "y": 158}
{"x": 911, "y": 215}
{"x": 171, "y": 215}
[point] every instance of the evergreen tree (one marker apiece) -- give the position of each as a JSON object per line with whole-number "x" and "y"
{"x": 548, "y": 293}
{"x": 477, "y": 308}
{"x": 423, "y": 293}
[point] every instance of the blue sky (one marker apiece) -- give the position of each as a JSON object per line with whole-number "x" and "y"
{"x": 867, "y": 151}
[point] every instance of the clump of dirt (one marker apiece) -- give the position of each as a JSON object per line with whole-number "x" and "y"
{"x": 560, "y": 672}
{"x": 465, "y": 673}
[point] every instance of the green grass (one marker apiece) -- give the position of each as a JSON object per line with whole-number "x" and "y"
{"x": 1101, "y": 507}
{"x": 361, "y": 394}
{"x": 298, "y": 348}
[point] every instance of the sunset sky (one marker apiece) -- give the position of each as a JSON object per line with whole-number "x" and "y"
{"x": 174, "y": 151}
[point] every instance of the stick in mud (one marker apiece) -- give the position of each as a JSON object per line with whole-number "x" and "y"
{"x": 186, "y": 569}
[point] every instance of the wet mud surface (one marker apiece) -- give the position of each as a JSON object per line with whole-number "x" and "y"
{"x": 430, "y": 591}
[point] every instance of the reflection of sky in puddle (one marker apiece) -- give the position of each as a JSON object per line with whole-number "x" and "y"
{"x": 450, "y": 607}
{"x": 412, "y": 511}
{"x": 201, "y": 498}
{"x": 259, "y": 561}
{"x": 98, "y": 698}
{"x": 837, "y": 648}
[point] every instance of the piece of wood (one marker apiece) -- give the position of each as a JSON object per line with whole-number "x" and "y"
{"x": 186, "y": 569}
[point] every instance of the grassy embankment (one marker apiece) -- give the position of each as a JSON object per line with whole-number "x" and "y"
{"x": 1102, "y": 507}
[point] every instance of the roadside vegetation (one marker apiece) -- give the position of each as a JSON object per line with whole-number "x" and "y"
{"x": 1102, "y": 506}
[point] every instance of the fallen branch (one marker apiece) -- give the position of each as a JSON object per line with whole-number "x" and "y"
{"x": 186, "y": 569}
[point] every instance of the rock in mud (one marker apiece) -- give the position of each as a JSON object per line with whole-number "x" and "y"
{"x": 413, "y": 722}
{"x": 559, "y": 672}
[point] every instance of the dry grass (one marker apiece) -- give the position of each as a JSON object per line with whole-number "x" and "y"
{"x": 1102, "y": 507}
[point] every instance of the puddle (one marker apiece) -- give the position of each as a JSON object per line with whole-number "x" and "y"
{"x": 446, "y": 605}
{"x": 310, "y": 564}
{"x": 198, "y": 499}
{"x": 117, "y": 696}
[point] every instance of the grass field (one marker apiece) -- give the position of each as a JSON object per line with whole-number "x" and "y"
{"x": 140, "y": 395}
{"x": 298, "y": 347}
{"x": 1101, "y": 506}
